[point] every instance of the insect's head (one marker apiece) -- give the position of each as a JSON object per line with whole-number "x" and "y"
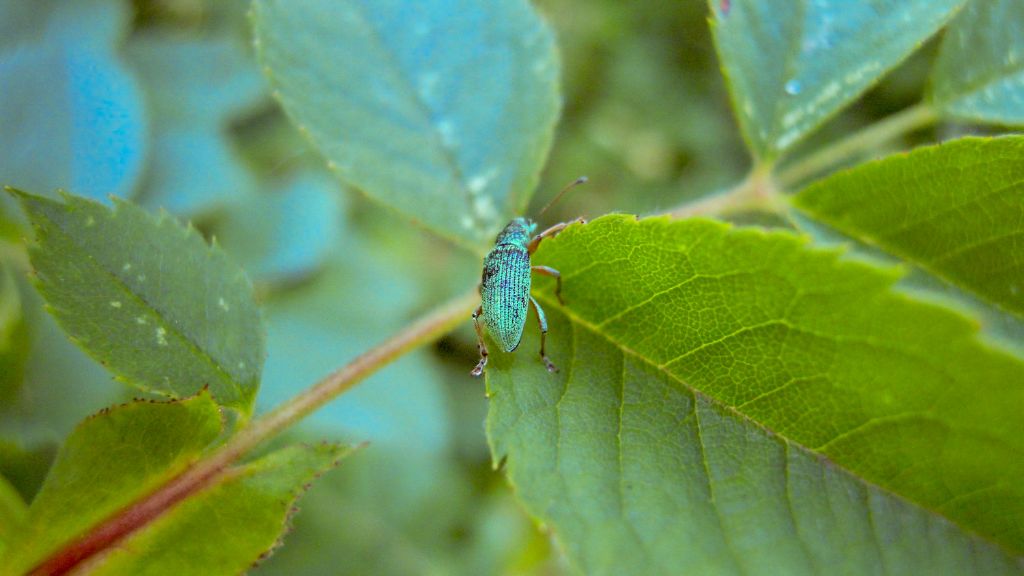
{"x": 518, "y": 231}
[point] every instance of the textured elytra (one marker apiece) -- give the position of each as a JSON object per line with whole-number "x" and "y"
{"x": 505, "y": 292}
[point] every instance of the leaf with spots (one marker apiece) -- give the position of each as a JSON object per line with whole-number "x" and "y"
{"x": 792, "y": 64}
{"x": 979, "y": 73}
{"x": 148, "y": 298}
{"x": 113, "y": 459}
{"x": 735, "y": 401}
{"x": 442, "y": 110}
{"x": 956, "y": 210}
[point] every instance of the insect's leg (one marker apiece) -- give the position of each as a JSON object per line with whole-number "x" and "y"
{"x": 479, "y": 342}
{"x": 549, "y": 271}
{"x": 543, "y": 321}
{"x": 550, "y": 232}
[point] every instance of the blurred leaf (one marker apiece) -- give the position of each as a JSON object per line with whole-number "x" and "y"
{"x": 286, "y": 233}
{"x": 162, "y": 309}
{"x": 979, "y": 73}
{"x": 25, "y": 468}
{"x": 109, "y": 461}
{"x": 792, "y": 64}
{"x": 71, "y": 115}
{"x": 13, "y": 511}
{"x": 195, "y": 87}
{"x": 441, "y": 110}
{"x": 61, "y": 384}
{"x": 14, "y": 344}
{"x": 731, "y": 401}
{"x": 956, "y": 209}
{"x": 397, "y": 512}
{"x": 359, "y": 299}
{"x": 226, "y": 528}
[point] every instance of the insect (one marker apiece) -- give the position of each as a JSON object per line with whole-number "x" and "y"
{"x": 505, "y": 285}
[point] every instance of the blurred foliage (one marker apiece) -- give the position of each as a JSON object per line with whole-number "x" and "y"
{"x": 188, "y": 127}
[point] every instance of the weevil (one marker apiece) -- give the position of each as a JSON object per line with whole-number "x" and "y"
{"x": 505, "y": 285}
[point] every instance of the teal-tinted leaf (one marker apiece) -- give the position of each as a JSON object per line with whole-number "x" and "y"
{"x": 164, "y": 311}
{"x": 71, "y": 115}
{"x": 791, "y": 64}
{"x": 109, "y": 461}
{"x": 361, "y": 297}
{"x": 979, "y": 73}
{"x": 226, "y": 528}
{"x": 735, "y": 402}
{"x": 442, "y": 110}
{"x": 195, "y": 88}
{"x": 285, "y": 233}
{"x": 13, "y": 336}
{"x": 956, "y": 209}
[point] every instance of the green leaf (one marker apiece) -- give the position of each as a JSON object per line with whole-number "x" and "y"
{"x": 195, "y": 88}
{"x": 735, "y": 402}
{"x": 71, "y": 116}
{"x": 164, "y": 311}
{"x": 107, "y": 462}
{"x": 13, "y": 511}
{"x": 979, "y": 73}
{"x": 442, "y": 110}
{"x": 226, "y": 528}
{"x": 792, "y": 64}
{"x": 956, "y": 209}
{"x": 14, "y": 344}
{"x": 25, "y": 468}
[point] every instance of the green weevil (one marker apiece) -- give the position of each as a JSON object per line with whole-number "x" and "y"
{"x": 505, "y": 285}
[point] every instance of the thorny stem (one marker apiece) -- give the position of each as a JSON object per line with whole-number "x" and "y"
{"x": 761, "y": 190}
{"x": 217, "y": 464}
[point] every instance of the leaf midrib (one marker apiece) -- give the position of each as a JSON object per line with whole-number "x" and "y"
{"x": 447, "y": 154}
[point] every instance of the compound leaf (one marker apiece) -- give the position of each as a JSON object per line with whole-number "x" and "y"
{"x": 442, "y": 110}
{"x": 107, "y": 462}
{"x": 792, "y": 64}
{"x": 120, "y": 455}
{"x": 979, "y": 73}
{"x": 731, "y": 401}
{"x": 226, "y": 528}
{"x": 148, "y": 298}
{"x": 956, "y": 209}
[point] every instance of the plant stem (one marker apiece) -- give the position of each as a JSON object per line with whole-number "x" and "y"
{"x": 761, "y": 191}
{"x": 908, "y": 120}
{"x": 756, "y": 191}
{"x": 214, "y": 466}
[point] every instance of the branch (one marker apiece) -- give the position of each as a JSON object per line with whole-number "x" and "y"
{"x": 869, "y": 138}
{"x": 213, "y": 468}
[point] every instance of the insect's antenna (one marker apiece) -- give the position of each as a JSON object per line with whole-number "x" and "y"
{"x": 570, "y": 186}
